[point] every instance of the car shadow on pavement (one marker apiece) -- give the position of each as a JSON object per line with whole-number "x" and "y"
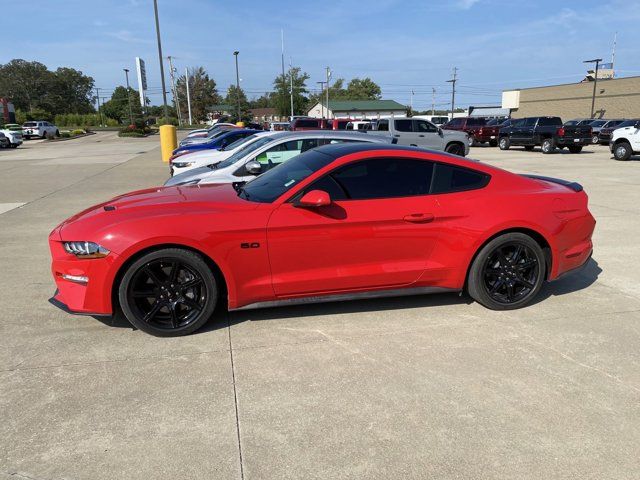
{"x": 569, "y": 284}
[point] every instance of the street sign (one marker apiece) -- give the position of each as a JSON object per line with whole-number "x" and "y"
{"x": 142, "y": 80}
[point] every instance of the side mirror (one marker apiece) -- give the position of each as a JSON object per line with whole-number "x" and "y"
{"x": 637, "y": 125}
{"x": 253, "y": 167}
{"x": 314, "y": 199}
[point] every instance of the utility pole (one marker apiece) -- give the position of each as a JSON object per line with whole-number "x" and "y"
{"x": 126, "y": 74}
{"x": 291, "y": 84}
{"x": 174, "y": 90}
{"x": 164, "y": 89}
{"x": 320, "y": 97}
{"x": 433, "y": 101}
{"x": 328, "y": 76}
{"x": 98, "y": 100}
{"x": 235, "y": 54}
{"x": 595, "y": 83}
{"x": 613, "y": 54}
{"x": 186, "y": 79}
{"x": 411, "y": 103}
{"x": 453, "y": 90}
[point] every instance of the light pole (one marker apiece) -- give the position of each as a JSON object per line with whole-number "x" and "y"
{"x": 595, "y": 83}
{"x": 164, "y": 90}
{"x": 235, "y": 54}
{"x": 126, "y": 74}
{"x": 328, "y": 77}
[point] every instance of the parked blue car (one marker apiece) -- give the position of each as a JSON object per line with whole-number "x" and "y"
{"x": 216, "y": 143}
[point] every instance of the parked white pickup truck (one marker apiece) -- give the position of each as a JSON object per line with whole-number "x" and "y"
{"x": 625, "y": 142}
{"x": 421, "y": 133}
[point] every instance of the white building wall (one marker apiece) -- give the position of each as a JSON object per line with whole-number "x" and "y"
{"x": 317, "y": 110}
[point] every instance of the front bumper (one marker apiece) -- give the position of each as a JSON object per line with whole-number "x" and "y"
{"x": 90, "y": 298}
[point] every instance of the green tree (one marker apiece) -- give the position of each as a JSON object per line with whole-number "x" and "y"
{"x": 235, "y": 95}
{"x": 72, "y": 92}
{"x": 281, "y": 97}
{"x": 363, "y": 89}
{"x": 203, "y": 93}
{"x": 25, "y": 83}
{"x": 263, "y": 101}
{"x": 117, "y": 107}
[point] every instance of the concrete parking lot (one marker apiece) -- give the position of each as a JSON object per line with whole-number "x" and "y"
{"x": 417, "y": 387}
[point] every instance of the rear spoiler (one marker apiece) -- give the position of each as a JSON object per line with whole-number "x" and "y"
{"x": 576, "y": 187}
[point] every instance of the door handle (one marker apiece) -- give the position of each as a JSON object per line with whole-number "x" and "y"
{"x": 419, "y": 217}
{"x": 397, "y": 136}
{"x": 421, "y": 135}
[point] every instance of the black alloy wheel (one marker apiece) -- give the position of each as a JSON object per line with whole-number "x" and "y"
{"x": 508, "y": 272}
{"x": 168, "y": 292}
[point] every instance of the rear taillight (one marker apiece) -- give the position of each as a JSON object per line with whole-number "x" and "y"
{"x": 480, "y": 131}
{"x": 560, "y": 132}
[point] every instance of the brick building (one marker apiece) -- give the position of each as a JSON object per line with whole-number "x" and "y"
{"x": 615, "y": 98}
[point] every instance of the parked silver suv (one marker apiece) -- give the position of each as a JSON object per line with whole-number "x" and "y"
{"x": 40, "y": 128}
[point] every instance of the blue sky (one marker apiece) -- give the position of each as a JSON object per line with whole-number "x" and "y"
{"x": 403, "y": 45}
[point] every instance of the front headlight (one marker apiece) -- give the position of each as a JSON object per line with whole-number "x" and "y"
{"x": 182, "y": 164}
{"x": 85, "y": 249}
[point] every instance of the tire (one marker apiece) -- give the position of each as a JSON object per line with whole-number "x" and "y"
{"x": 504, "y": 143}
{"x": 57, "y": 133}
{"x": 528, "y": 148}
{"x": 548, "y": 146}
{"x": 622, "y": 151}
{"x": 14, "y": 145}
{"x": 575, "y": 149}
{"x": 455, "y": 149}
{"x": 493, "y": 143}
{"x": 472, "y": 141}
{"x": 594, "y": 139}
{"x": 168, "y": 293}
{"x": 507, "y": 273}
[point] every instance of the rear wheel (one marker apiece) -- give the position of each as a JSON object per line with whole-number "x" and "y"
{"x": 548, "y": 145}
{"x": 504, "y": 143}
{"x": 622, "y": 151}
{"x": 455, "y": 149}
{"x": 168, "y": 293}
{"x": 528, "y": 148}
{"x": 594, "y": 139}
{"x": 576, "y": 149}
{"x": 508, "y": 272}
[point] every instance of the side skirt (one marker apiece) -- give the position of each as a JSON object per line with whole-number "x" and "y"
{"x": 398, "y": 292}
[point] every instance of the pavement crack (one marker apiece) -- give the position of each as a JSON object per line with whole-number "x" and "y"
{"x": 235, "y": 399}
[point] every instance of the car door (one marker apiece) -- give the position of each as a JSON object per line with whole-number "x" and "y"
{"x": 517, "y": 127}
{"x": 528, "y": 131}
{"x": 376, "y": 233}
{"x": 403, "y": 132}
{"x": 428, "y": 135}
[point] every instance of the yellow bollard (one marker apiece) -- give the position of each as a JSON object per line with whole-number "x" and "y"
{"x": 168, "y": 141}
{"x": 239, "y": 124}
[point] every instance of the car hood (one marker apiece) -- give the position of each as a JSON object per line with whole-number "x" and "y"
{"x": 158, "y": 202}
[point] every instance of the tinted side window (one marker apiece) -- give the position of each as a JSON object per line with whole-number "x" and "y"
{"x": 530, "y": 122}
{"x": 553, "y": 121}
{"x": 404, "y": 125}
{"x": 384, "y": 178}
{"x": 383, "y": 125}
{"x": 307, "y": 124}
{"x": 475, "y": 122}
{"x": 448, "y": 178}
{"x": 423, "y": 126}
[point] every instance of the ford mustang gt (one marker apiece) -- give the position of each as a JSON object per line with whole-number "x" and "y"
{"x": 340, "y": 221}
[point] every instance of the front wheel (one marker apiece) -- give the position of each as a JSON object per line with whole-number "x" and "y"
{"x": 594, "y": 139}
{"x": 548, "y": 146}
{"x": 455, "y": 149}
{"x": 508, "y": 272}
{"x": 622, "y": 151}
{"x": 504, "y": 143}
{"x": 168, "y": 293}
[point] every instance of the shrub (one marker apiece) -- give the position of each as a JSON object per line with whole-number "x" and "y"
{"x": 169, "y": 121}
{"x": 65, "y": 135}
{"x": 131, "y": 133}
{"x": 77, "y": 131}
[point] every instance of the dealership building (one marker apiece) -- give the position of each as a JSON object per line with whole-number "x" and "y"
{"x": 357, "y": 109}
{"x": 615, "y": 98}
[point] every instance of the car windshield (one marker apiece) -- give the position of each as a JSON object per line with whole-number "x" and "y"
{"x": 280, "y": 179}
{"x": 216, "y": 133}
{"x": 238, "y": 143}
{"x": 244, "y": 151}
{"x": 627, "y": 123}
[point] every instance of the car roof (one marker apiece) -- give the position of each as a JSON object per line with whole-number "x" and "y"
{"x": 318, "y": 134}
{"x": 337, "y": 150}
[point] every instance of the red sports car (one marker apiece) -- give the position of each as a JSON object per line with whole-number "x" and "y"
{"x": 336, "y": 222}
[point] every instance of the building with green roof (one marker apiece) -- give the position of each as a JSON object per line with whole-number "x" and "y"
{"x": 357, "y": 109}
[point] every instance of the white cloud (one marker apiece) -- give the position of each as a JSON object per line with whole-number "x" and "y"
{"x": 466, "y": 4}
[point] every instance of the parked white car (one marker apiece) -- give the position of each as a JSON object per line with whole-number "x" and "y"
{"x": 202, "y": 158}
{"x": 625, "y": 142}
{"x": 40, "y": 129}
{"x": 271, "y": 149}
{"x": 14, "y": 138}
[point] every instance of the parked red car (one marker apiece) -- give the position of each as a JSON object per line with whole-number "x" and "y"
{"x": 340, "y": 123}
{"x": 477, "y": 129}
{"x": 310, "y": 124}
{"x": 340, "y": 221}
